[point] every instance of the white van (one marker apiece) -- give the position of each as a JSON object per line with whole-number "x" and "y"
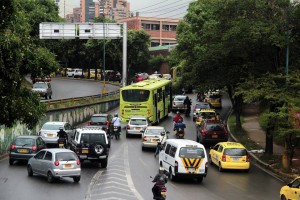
{"x": 184, "y": 158}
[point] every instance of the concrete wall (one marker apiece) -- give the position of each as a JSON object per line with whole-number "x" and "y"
{"x": 75, "y": 116}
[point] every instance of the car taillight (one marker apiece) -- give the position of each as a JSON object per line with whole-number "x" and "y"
{"x": 203, "y": 133}
{"x": 34, "y": 148}
{"x": 56, "y": 163}
{"x": 247, "y": 158}
{"x": 128, "y": 127}
{"x": 12, "y": 147}
{"x": 224, "y": 158}
{"x": 145, "y": 138}
{"x": 206, "y": 164}
{"x": 176, "y": 166}
{"x": 78, "y": 162}
{"x": 89, "y": 123}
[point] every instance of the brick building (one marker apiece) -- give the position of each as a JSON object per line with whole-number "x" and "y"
{"x": 161, "y": 30}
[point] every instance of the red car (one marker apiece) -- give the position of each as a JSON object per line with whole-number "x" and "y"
{"x": 212, "y": 131}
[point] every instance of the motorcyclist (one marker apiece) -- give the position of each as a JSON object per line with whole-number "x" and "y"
{"x": 160, "y": 180}
{"x": 61, "y": 134}
{"x": 179, "y": 126}
{"x": 116, "y": 121}
{"x": 177, "y": 117}
{"x": 187, "y": 102}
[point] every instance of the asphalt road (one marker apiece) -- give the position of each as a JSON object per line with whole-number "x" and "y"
{"x": 129, "y": 169}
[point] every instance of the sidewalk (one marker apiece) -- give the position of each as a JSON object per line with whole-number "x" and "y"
{"x": 257, "y": 134}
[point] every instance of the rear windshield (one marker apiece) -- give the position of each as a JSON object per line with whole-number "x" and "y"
{"x": 179, "y": 98}
{"x": 235, "y": 152}
{"x": 204, "y": 105}
{"x": 51, "y": 126}
{"x": 215, "y": 127}
{"x": 138, "y": 122}
{"x": 135, "y": 95}
{"x": 207, "y": 114}
{"x": 99, "y": 119}
{"x": 191, "y": 152}
{"x": 154, "y": 131}
{"x": 24, "y": 142}
{"x": 66, "y": 156}
{"x": 92, "y": 138}
{"x": 215, "y": 96}
{"x": 39, "y": 85}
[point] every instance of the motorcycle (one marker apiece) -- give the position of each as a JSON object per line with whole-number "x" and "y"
{"x": 180, "y": 133}
{"x": 116, "y": 132}
{"x": 161, "y": 192}
{"x": 62, "y": 142}
{"x": 187, "y": 111}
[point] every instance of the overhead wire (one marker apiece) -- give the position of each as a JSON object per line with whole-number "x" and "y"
{"x": 150, "y": 6}
{"x": 165, "y": 8}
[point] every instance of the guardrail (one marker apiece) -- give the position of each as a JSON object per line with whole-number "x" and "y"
{"x": 79, "y": 101}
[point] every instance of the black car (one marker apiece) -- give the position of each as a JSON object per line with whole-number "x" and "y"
{"x": 25, "y": 147}
{"x": 102, "y": 120}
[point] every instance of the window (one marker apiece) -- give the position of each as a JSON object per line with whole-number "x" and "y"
{"x": 135, "y": 95}
{"x": 173, "y": 27}
{"x": 48, "y": 156}
{"x": 159, "y": 95}
{"x": 165, "y": 27}
{"x": 138, "y": 122}
{"x": 168, "y": 148}
{"x": 173, "y": 151}
{"x": 146, "y": 26}
{"x": 24, "y": 142}
{"x": 76, "y": 136}
{"x": 154, "y": 44}
{"x": 92, "y": 138}
{"x": 67, "y": 126}
{"x": 220, "y": 149}
{"x": 216, "y": 147}
{"x": 191, "y": 152}
{"x": 66, "y": 156}
{"x": 99, "y": 119}
{"x": 155, "y": 27}
{"x": 40, "y": 155}
{"x": 235, "y": 152}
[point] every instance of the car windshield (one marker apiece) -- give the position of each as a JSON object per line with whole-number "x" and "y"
{"x": 51, "y": 127}
{"x": 92, "y": 138}
{"x": 179, "y": 98}
{"x": 24, "y": 142}
{"x": 191, "y": 152}
{"x": 65, "y": 156}
{"x": 99, "y": 119}
{"x": 135, "y": 95}
{"x": 154, "y": 131}
{"x": 138, "y": 121}
{"x": 40, "y": 85}
{"x": 215, "y": 127}
{"x": 235, "y": 152}
{"x": 208, "y": 114}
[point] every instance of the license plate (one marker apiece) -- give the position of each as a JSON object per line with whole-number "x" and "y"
{"x": 68, "y": 166}
{"x": 214, "y": 136}
{"x": 155, "y": 140}
{"x": 60, "y": 145}
{"x": 85, "y": 151}
{"x": 236, "y": 159}
{"x": 191, "y": 170}
{"x": 137, "y": 128}
{"x": 163, "y": 194}
{"x": 49, "y": 135}
{"x": 23, "y": 150}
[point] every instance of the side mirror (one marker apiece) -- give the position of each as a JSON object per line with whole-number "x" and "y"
{"x": 162, "y": 134}
{"x": 290, "y": 184}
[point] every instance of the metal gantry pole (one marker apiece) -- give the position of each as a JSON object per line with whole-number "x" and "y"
{"x": 124, "y": 80}
{"x": 104, "y": 73}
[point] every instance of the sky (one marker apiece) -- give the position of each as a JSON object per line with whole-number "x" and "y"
{"x": 147, "y": 8}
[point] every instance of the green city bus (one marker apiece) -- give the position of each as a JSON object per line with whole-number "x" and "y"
{"x": 149, "y": 98}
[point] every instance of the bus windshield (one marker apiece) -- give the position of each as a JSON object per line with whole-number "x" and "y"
{"x": 135, "y": 95}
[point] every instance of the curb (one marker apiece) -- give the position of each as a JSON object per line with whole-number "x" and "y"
{"x": 86, "y": 79}
{"x": 262, "y": 165}
{"x": 3, "y": 156}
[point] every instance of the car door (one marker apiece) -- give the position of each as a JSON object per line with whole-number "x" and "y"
{"x": 213, "y": 153}
{"x": 219, "y": 153}
{"x": 69, "y": 131}
{"x": 46, "y": 163}
{"x": 294, "y": 191}
{"x": 36, "y": 161}
{"x": 165, "y": 157}
{"x": 74, "y": 141}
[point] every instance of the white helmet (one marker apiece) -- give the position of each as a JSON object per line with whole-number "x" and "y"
{"x": 116, "y": 115}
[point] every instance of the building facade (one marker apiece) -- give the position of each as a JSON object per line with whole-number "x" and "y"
{"x": 75, "y": 17}
{"x": 162, "y": 31}
{"x": 112, "y": 9}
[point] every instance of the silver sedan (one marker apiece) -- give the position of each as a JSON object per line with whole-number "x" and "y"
{"x": 55, "y": 164}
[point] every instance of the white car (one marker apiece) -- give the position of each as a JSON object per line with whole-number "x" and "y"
{"x": 74, "y": 73}
{"x": 136, "y": 124}
{"x": 55, "y": 164}
{"x": 49, "y": 131}
{"x": 152, "y": 135}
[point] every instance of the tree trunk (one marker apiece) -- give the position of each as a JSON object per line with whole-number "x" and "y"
{"x": 269, "y": 141}
{"x": 238, "y": 109}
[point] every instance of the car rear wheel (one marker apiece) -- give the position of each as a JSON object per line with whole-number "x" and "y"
{"x": 200, "y": 179}
{"x": 46, "y": 97}
{"x": 76, "y": 179}
{"x": 104, "y": 163}
{"x": 220, "y": 167}
{"x": 283, "y": 197}
{"x": 50, "y": 177}
{"x": 171, "y": 176}
{"x": 11, "y": 161}
{"x": 50, "y": 97}
{"x": 29, "y": 170}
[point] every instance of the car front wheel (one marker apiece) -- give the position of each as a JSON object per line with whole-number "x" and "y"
{"x": 283, "y": 197}
{"x": 29, "y": 170}
{"x": 76, "y": 179}
{"x": 50, "y": 177}
{"x": 104, "y": 163}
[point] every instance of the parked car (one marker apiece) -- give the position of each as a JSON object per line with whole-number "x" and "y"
{"x": 74, "y": 73}
{"x": 136, "y": 124}
{"x": 24, "y": 147}
{"x": 49, "y": 131}
{"x": 229, "y": 155}
{"x": 212, "y": 131}
{"x": 291, "y": 190}
{"x": 198, "y": 107}
{"x": 91, "y": 143}
{"x": 177, "y": 104}
{"x": 55, "y": 164}
{"x": 43, "y": 88}
{"x": 152, "y": 135}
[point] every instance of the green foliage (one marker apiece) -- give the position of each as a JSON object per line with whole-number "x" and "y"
{"x": 156, "y": 61}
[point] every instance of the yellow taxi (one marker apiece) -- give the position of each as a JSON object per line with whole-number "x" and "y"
{"x": 64, "y": 71}
{"x": 203, "y": 114}
{"x": 214, "y": 99}
{"x": 229, "y": 155}
{"x": 291, "y": 190}
{"x": 92, "y": 74}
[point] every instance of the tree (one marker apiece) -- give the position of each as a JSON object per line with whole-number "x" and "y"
{"x": 21, "y": 54}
